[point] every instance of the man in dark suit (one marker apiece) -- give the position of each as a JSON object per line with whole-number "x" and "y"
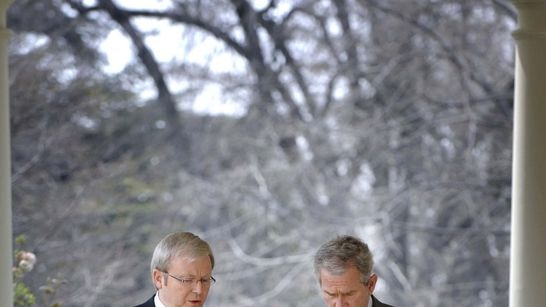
{"x": 181, "y": 270}
{"x": 343, "y": 267}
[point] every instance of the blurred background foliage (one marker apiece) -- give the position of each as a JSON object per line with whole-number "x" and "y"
{"x": 266, "y": 127}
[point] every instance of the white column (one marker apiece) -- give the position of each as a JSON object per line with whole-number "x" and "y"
{"x": 528, "y": 235}
{"x": 6, "y": 280}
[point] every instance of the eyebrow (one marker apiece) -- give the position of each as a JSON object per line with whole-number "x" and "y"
{"x": 185, "y": 276}
{"x": 191, "y": 276}
{"x": 338, "y": 293}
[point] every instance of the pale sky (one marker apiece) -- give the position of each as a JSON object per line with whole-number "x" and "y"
{"x": 119, "y": 52}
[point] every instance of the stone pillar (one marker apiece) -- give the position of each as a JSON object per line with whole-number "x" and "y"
{"x": 6, "y": 279}
{"x": 528, "y": 231}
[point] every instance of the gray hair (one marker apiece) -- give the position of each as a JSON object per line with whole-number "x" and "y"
{"x": 340, "y": 253}
{"x": 176, "y": 244}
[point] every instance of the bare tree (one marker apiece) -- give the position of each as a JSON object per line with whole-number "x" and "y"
{"x": 389, "y": 120}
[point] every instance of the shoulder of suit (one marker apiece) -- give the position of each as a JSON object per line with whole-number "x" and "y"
{"x": 378, "y": 303}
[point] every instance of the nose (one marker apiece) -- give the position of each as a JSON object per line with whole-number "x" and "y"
{"x": 197, "y": 286}
{"x": 339, "y": 302}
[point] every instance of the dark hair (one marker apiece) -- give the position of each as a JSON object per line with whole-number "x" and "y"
{"x": 338, "y": 254}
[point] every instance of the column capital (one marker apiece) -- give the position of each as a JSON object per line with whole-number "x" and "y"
{"x": 4, "y": 4}
{"x": 520, "y": 2}
{"x": 531, "y": 20}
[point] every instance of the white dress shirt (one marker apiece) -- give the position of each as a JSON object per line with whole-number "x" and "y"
{"x": 157, "y": 301}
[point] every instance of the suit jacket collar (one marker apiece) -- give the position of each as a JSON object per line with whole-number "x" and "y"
{"x": 377, "y": 303}
{"x": 148, "y": 303}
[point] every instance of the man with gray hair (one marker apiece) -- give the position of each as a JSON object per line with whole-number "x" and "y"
{"x": 181, "y": 270}
{"x": 344, "y": 269}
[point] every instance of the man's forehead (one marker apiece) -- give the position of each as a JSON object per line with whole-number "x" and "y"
{"x": 350, "y": 273}
{"x": 184, "y": 261}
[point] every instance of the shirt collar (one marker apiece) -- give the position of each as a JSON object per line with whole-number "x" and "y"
{"x": 370, "y": 302}
{"x": 157, "y": 301}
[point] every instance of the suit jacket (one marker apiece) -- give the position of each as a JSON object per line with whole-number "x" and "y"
{"x": 148, "y": 303}
{"x": 377, "y": 303}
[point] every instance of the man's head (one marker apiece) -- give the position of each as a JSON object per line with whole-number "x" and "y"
{"x": 181, "y": 269}
{"x": 343, "y": 267}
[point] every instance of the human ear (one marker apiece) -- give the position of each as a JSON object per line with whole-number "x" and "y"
{"x": 371, "y": 282}
{"x": 157, "y": 276}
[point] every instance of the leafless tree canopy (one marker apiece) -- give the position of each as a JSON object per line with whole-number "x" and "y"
{"x": 390, "y": 120}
